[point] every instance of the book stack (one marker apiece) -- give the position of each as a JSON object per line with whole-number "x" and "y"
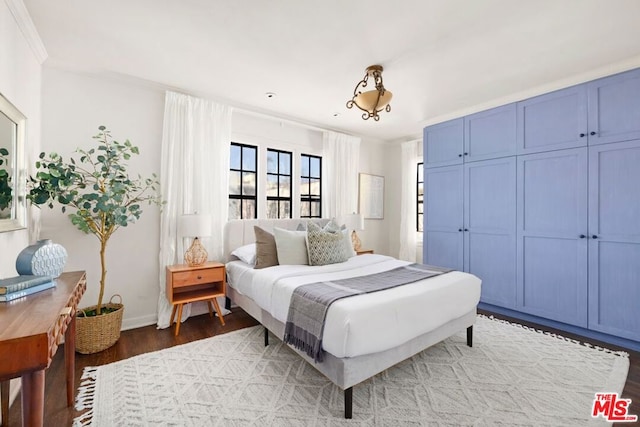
{"x": 13, "y": 288}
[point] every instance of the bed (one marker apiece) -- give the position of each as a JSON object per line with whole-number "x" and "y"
{"x": 363, "y": 335}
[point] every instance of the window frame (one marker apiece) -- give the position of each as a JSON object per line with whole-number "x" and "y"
{"x": 242, "y": 196}
{"x": 308, "y": 197}
{"x": 279, "y": 198}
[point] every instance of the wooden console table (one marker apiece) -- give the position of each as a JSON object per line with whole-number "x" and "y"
{"x": 31, "y": 331}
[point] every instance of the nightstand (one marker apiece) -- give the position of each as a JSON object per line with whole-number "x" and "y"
{"x": 187, "y": 284}
{"x": 364, "y": 251}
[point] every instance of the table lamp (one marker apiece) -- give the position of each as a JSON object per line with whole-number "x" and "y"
{"x": 195, "y": 226}
{"x": 355, "y": 222}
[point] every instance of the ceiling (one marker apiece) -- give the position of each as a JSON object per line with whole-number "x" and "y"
{"x": 440, "y": 57}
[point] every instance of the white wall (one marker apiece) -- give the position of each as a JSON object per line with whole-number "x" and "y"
{"x": 75, "y": 104}
{"x": 20, "y": 78}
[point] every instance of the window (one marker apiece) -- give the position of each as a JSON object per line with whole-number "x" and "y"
{"x": 278, "y": 184}
{"x": 310, "y": 186}
{"x": 420, "y": 196}
{"x": 243, "y": 175}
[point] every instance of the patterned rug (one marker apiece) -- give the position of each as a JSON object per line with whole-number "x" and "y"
{"x": 512, "y": 376}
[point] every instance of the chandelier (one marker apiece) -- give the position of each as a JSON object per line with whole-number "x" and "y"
{"x": 372, "y": 101}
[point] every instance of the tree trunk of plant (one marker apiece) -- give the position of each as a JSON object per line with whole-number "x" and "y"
{"x": 103, "y": 275}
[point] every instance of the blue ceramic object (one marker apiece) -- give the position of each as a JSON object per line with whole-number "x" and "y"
{"x": 44, "y": 258}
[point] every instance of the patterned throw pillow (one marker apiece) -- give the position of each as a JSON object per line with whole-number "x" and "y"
{"x": 325, "y": 247}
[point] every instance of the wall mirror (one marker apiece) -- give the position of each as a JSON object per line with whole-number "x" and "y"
{"x": 12, "y": 170}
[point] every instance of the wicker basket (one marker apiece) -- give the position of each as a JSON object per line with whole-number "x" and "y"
{"x": 97, "y": 333}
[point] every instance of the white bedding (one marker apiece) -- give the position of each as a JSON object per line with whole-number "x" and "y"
{"x": 367, "y": 323}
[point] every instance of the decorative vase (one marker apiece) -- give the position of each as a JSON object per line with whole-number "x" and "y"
{"x": 43, "y": 258}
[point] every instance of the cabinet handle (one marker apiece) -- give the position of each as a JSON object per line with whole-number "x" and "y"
{"x": 466, "y": 154}
{"x": 592, "y": 133}
{"x": 459, "y": 155}
{"x": 594, "y": 237}
{"x": 466, "y": 229}
{"x": 582, "y": 236}
{"x": 582, "y": 135}
{"x": 460, "y": 229}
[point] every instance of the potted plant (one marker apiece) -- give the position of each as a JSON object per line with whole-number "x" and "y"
{"x": 101, "y": 197}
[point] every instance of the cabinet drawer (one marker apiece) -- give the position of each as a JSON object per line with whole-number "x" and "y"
{"x": 196, "y": 277}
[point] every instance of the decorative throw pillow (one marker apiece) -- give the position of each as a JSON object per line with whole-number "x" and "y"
{"x": 325, "y": 247}
{"x": 246, "y": 253}
{"x": 266, "y": 253}
{"x": 291, "y": 246}
{"x": 302, "y": 226}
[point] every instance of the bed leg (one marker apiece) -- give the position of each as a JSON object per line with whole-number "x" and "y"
{"x": 470, "y": 336}
{"x": 348, "y": 403}
{"x": 266, "y": 336}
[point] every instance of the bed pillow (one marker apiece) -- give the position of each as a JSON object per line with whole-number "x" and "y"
{"x": 246, "y": 253}
{"x": 266, "y": 253}
{"x": 325, "y": 247}
{"x": 291, "y": 246}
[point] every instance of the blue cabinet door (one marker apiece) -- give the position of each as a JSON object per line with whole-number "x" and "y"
{"x": 552, "y": 231}
{"x": 553, "y": 121}
{"x": 614, "y": 108}
{"x": 490, "y": 134}
{"x": 490, "y": 228}
{"x": 444, "y": 143}
{"x": 443, "y": 217}
{"x": 614, "y": 253}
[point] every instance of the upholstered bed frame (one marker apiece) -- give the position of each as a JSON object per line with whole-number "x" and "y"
{"x": 344, "y": 372}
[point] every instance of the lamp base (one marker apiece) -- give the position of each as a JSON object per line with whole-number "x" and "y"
{"x": 196, "y": 254}
{"x": 355, "y": 241}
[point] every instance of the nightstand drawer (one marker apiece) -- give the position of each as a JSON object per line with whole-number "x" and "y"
{"x": 196, "y": 277}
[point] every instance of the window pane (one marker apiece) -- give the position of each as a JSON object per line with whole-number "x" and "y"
{"x": 248, "y": 209}
{"x": 234, "y": 209}
{"x": 285, "y": 163}
{"x": 272, "y": 162}
{"x": 235, "y": 157}
{"x": 315, "y": 209}
{"x": 272, "y": 209}
{"x": 420, "y": 173}
{"x": 248, "y": 183}
{"x": 234, "y": 183}
{"x": 420, "y": 189}
{"x": 304, "y": 165}
{"x": 272, "y": 185}
{"x": 285, "y": 209}
{"x": 249, "y": 158}
{"x": 420, "y": 208}
{"x": 305, "y": 209}
{"x": 304, "y": 186}
{"x": 315, "y": 167}
{"x": 420, "y": 222}
{"x": 285, "y": 186}
{"x": 314, "y": 187}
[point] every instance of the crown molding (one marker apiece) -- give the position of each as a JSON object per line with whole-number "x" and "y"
{"x": 23, "y": 19}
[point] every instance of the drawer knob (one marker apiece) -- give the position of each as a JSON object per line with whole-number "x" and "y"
{"x": 199, "y": 277}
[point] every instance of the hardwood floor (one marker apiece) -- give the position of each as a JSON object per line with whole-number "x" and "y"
{"x": 143, "y": 340}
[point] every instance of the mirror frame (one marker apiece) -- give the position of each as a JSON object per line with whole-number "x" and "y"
{"x": 18, "y": 168}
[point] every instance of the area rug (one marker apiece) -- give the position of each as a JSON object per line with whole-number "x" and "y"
{"x": 512, "y": 376}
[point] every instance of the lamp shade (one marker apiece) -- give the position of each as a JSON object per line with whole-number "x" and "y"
{"x": 354, "y": 221}
{"x": 194, "y": 225}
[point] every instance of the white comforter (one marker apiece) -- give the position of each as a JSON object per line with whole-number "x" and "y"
{"x": 367, "y": 323}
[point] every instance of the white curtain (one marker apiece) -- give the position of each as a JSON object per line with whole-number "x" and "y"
{"x": 194, "y": 179}
{"x": 410, "y": 154}
{"x": 340, "y": 164}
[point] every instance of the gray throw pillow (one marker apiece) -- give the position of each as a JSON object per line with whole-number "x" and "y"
{"x": 266, "y": 252}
